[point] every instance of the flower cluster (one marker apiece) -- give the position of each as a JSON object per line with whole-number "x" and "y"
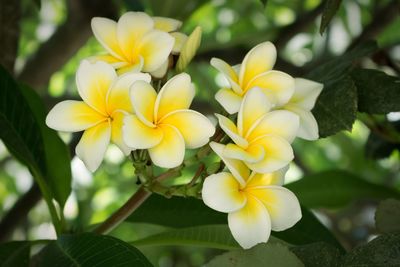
{"x": 120, "y": 104}
{"x": 272, "y": 109}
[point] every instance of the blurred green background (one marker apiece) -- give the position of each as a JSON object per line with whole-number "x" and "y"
{"x": 230, "y": 29}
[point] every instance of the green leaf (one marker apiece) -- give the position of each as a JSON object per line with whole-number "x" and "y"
{"x": 336, "y": 107}
{"x": 87, "y": 250}
{"x": 211, "y": 236}
{"x": 271, "y": 255}
{"x": 382, "y": 251}
{"x": 14, "y": 254}
{"x": 387, "y": 216}
{"x": 335, "y": 189}
{"x": 58, "y": 167}
{"x": 176, "y": 212}
{"x": 378, "y": 93}
{"x": 307, "y": 231}
{"x": 318, "y": 254}
{"x": 19, "y": 130}
{"x": 330, "y": 9}
{"x": 185, "y": 212}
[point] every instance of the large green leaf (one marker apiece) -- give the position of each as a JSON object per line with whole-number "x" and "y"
{"x": 387, "y": 216}
{"x": 15, "y": 254}
{"x": 335, "y": 189}
{"x": 271, "y": 255}
{"x": 20, "y": 131}
{"x": 211, "y": 236}
{"x": 58, "y": 166}
{"x": 88, "y": 250}
{"x": 307, "y": 231}
{"x": 318, "y": 254}
{"x": 378, "y": 93}
{"x": 185, "y": 212}
{"x": 382, "y": 251}
{"x": 330, "y": 9}
{"x": 336, "y": 107}
{"x": 176, "y": 212}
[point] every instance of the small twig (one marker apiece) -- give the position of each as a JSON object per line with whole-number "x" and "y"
{"x": 196, "y": 176}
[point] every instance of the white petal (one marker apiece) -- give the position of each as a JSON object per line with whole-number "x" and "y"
{"x": 94, "y": 80}
{"x": 105, "y": 31}
{"x": 132, "y": 26}
{"x": 229, "y": 100}
{"x": 308, "y": 125}
{"x": 93, "y": 145}
{"x": 230, "y": 129}
{"x": 161, "y": 71}
{"x": 176, "y": 94}
{"x": 255, "y": 104}
{"x": 195, "y": 128}
{"x": 155, "y": 48}
{"x": 276, "y": 85}
{"x": 278, "y": 153}
{"x": 138, "y": 135}
{"x": 143, "y": 98}
{"x": 221, "y": 192}
{"x": 282, "y": 205}
{"x": 73, "y": 116}
{"x": 263, "y": 179}
{"x": 253, "y": 155}
{"x": 169, "y": 153}
{"x": 166, "y": 24}
{"x": 282, "y": 123}
{"x": 228, "y": 72}
{"x": 258, "y": 60}
{"x": 118, "y": 97}
{"x": 180, "y": 40}
{"x": 250, "y": 225}
{"x": 238, "y": 169}
{"x": 306, "y": 93}
{"x": 116, "y": 132}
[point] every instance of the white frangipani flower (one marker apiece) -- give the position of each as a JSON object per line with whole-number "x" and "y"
{"x": 256, "y": 203}
{"x": 100, "y": 114}
{"x": 134, "y": 43}
{"x": 163, "y": 123}
{"x": 261, "y": 138}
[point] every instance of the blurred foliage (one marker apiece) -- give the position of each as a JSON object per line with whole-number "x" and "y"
{"x": 367, "y": 158}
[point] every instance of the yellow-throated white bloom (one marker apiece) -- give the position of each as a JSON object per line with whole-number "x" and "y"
{"x": 100, "y": 114}
{"x": 163, "y": 123}
{"x": 255, "y": 71}
{"x": 134, "y": 43}
{"x": 302, "y": 102}
{"x": 261, "y": 137}
{"x": 255, "y": 203}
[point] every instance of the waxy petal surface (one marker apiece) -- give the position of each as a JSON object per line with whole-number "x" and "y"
{"x": 221, "y": 192}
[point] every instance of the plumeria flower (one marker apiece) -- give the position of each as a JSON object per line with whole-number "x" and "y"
{"x": 255, "y": 71}
{"x": 163, "y": 123}
{"x": 261, "y": 138}
{"x": 256, "y": 203}
{"x": 302, "y": 102}
{"x": 133, "y": 43}
{"x": 100, "y": 114}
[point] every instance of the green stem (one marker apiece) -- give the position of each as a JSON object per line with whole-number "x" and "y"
{"x": 47, "y": 197}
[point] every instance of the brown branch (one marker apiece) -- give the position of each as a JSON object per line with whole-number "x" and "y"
{"x": 381, "y": 19}
{"x": 65, "y": 42}
{"x": 17, "y": 214}
{"x": 10, "y": 14}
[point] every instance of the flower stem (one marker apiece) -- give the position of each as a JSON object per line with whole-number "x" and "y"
{"x": 122, "y": 213}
